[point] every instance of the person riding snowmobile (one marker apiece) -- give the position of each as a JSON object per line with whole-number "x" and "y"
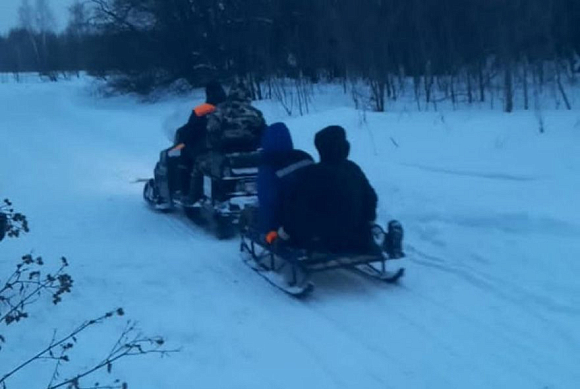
{"x": 235, "y": 126}
{"x": 190, "y": 139}
{"x": 231, "y": 125}
{"x": 221, "y": 126}
{"x": 193, "y": 131}
{"x": 279, "y": 165}
{"x": 333, "y": 205}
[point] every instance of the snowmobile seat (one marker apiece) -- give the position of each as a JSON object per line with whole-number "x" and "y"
{"x": 230, "y": 166}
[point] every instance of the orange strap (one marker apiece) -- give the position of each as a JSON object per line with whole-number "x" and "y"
{"x": 271, "y": 237}
{"x": 178, "y": 147}
{"x": 204, "y": 109}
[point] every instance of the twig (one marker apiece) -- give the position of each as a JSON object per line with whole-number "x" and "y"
{"x": 53, "y": 345}
{"x": 122, "y": 348}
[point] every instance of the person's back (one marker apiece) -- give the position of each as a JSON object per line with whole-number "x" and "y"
{"x": 276, "y": 175}
{"x": 236, "y": 125}
{"x": 333, "y": 205}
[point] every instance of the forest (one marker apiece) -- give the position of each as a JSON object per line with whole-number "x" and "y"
{"x": 457, "y": 50}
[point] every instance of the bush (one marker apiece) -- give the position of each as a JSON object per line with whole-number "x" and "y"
{"x": 27, "y": 285}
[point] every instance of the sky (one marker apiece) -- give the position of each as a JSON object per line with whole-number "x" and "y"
{"x": 9, "y": 13}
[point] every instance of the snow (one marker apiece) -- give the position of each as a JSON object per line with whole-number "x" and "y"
{"x": 490, "y": 297}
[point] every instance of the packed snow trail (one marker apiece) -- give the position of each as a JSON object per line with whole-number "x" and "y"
{"x": 491, "y": 297}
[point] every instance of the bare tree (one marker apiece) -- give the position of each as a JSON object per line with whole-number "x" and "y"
{"x": 78, "y": 20}
{"x": 26, "y": 16}
{"x": 44, "y": 17}
{"x": 27, "y": 23}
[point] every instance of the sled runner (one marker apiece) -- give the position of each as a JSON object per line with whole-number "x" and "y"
{"x": 289, "y": 269}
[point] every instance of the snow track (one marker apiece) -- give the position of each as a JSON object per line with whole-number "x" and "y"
{"x": 491, "y": 297}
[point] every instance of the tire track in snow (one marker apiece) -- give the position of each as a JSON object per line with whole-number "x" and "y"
{"x": 484, "y": 281}
{"x": 503, "y": 290}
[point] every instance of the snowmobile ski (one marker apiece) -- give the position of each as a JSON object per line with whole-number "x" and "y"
{"x": 369, "y": 270}
{"x": 139, "y": 180}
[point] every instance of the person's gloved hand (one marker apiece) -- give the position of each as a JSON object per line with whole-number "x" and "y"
{"x": 272, "y": 236}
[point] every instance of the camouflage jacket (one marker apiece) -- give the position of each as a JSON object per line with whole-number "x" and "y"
{"x": 235, "y": 125}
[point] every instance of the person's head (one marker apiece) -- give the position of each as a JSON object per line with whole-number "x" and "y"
{"x": 240, "y": 93}
{"x": 277, "y": 138}
{"x": 332, "y": 145}
{"x": 214, "y": 93}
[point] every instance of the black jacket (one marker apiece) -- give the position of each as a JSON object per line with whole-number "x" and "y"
{"x": 193, "y": 134}
{"x": 333, "y": 204}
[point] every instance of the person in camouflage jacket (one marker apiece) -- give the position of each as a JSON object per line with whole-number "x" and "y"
{"x": 236, "y": 125}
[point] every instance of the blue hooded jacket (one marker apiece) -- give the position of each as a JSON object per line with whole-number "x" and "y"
{"x": 279, "y": 162}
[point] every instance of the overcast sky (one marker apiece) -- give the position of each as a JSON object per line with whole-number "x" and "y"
{"x": 9, "y": 13}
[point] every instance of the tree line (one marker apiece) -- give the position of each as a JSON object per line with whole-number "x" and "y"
{"x": 461, "y": 50}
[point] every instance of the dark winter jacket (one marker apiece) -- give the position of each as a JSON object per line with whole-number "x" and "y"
{"x": 193, "y": 134}
{"x": 333, "y": 204}
{"x": 278, "y": 169}
{"x": 214, "y": 93}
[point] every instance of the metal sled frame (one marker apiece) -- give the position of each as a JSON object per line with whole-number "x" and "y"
{"x": 304, "y": 263}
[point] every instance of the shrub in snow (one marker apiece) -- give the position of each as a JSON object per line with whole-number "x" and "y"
{"x": 12, "y": 224}
{"x": 27, "y": 285}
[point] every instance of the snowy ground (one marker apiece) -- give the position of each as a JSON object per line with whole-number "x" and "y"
{"x": 491, "y": 298}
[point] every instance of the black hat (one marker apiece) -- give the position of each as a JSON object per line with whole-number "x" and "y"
{"x": 214, "y": 93}
{"x": 331, "y": 144}
{"x": 241, "y": 93}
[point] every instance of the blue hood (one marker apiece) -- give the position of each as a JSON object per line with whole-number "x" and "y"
{"x": 277, "y": 139}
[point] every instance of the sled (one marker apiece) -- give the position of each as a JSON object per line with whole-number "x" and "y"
{"x": 290, "y": 269}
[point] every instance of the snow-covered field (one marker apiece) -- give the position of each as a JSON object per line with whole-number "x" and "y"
{"x": 491, "y": 298}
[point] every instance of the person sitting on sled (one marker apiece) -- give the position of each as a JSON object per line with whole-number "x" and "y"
{"x": 333, "y": 206}
{"x": 279, "y": 166}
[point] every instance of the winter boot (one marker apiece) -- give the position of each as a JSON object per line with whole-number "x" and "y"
{"x": 195, "y": 189}
{"x": 393, "y": 243}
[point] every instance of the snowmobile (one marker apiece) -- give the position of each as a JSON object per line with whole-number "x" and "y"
{"x": 229, "y": 185}
{"x": 290, "y": 268}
